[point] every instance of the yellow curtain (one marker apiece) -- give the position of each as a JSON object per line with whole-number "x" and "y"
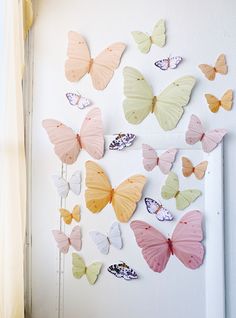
{"x": 13, "y": 169}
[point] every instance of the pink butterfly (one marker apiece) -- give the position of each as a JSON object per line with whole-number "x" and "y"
{"x": 64, "y": 242}
{"x": 67, "y": 144}
{"x": 170, "y": 62}
{"x": 209, "y": 139}
{"x": 164, "y": 161}
{"x": 185, "y": 242}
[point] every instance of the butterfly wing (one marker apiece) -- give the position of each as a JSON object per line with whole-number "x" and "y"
{"x": 195, "y": 130}
{"x": 186, "y": 197}
{"x": 149, "y": 157}
{"x": 158, "y": 35}
{"x": 212, "y": 138}
{"x": 126, "y": 197}
{"x": 169, "y": 104}
{"x": 66, "y": 215}
{"x": 171, "y": 186}
{"x": 175, "y": 61}
{"x": 208, "y": 71}
{"x": 186, "y": 240}
{"x": 115, "y": 236}
{"x": 143, "y": 41}
{"x": 187, "y": 167}
{"x": 98, "y": 192}
{"x": 166, "y": 160}
{"x": 162, "y": 64}
{"x": 83, "y": 102}
{"x": 93, "y": 271}
{"x": 63, "y": 138}
{"x": 78, "y": 266}
{"x": 104, "y": 65}
{"x": 62, "y": 240}
{"x": 78, "y": 62}
{"x": 139, "y": 96}
{"x": 200, "y": 170}
{"x": 101, "y": 241}
{"x": 91, "y": 134}
{"x": 75, "y": 182}
{"x": 227, "y": 99}
{"x": 213, "y": 103}
{"x": 221, "y": 65}
{"x": 154, "y": 245}
{"x": 122, "y": 141}
{"x": 73, "y": 98}
{"x": 155, "y": 207}
{"x": 75, "y": 238}
{"x": 76, "y": 213}
{"x": 62, "y": 186}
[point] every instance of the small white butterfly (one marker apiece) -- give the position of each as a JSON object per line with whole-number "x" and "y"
{"x": 103, "y": 241}
{"x": 63, "y": 186}
{"x": 78, "y": 100}
{"x": 169, "y": 62}
{"x": 155, "y": 207}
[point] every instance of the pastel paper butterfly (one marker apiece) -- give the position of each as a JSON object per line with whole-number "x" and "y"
{"x": 67, "y": 144}
{"x": 103, "y": 241}
{"x": 78, "y": 100}
{"x": 156, "y": 208}
{"x": 158, "y": 37}
{"x": 169, "y": 62}
{"x": 64, "y": 242}
{"x": 63, "y": 186}
{"x": 79, "y": 269}
{"x": 220, "y": 67}
{"x": 123, "y": 198}
{"x": 122, "y": 270}
{"x": 101, "y": 68}
{"x": 185, "y": 242}
{"x": 171, "y": 190}
{"x": 122, "y": 141}
{"x": 164, "y": 161}
{"x": 209, "y": 139}
{"x": 167, "y": 107}
{"x": 226, "y": 101}
{"x": 68, "y": 217}
{"x": 198, "y": 171}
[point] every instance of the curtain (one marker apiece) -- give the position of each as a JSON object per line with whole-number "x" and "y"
{"x": 13, "y": 168}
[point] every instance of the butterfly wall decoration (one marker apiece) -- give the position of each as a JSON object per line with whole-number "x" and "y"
{"x": 122, "y": 270}
{"x": 168, "y": 63}
{"x": 199, "y": 170}
{"x": 68, "y": 216}
{"x": 77, "y": 100}
{"x": 64, "y": 242}
{"x": 63, "y": 186}
{"x": 122, "y": 141}
{"x": 225, "y": 102}
{"x": 156, "y": 208}
{"x": 79, "y": 269}
{"x": 220, "y": 67}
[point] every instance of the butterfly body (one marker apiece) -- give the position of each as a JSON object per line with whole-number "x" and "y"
{"x": 156, "y": 208}
{"x": 220, "y": 67}
{"x": 79, "y": 269}
{"x": 122, "y": 141}
{"x": 122, "y": 270}
{"x": 170, "y": 62}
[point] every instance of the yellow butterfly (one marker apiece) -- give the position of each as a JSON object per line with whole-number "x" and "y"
{"x": 220, "y": 67}
{"x": 99, "y": 192}
{"x": 68, "y": 217}
{"x": 226, "y": 101}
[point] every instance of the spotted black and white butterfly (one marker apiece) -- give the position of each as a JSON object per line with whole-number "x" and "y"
{"x": 122, "y": 141}
{"x": 170, "y": 62}
{"x": 155, "y": 207}
{"x": 122, "y": 270}
{"x": 78, "y": 100}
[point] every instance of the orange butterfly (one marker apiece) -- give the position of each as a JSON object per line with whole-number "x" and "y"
{"x": 226, "y": 101}
{"x": 188, "y": 168}
{"x": 68, "y": 217}
{"x": 80, "y": 62}
{"x": 220, "y": 67}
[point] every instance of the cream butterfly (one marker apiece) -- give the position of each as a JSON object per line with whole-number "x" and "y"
{"x": 167, "y": 107}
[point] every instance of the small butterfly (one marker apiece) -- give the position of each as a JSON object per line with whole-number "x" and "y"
{"x": 122, "y": 270}
{"x": 188, "y": 168}
{"x": 209, "y": 139}
{"x": 78, "y": 100}
{"x": 63, "y": 186}
{"x": 64, "y": 242}
{"x": 68, "y": 217}
{"x": 220, "y": 67}
{"x": 79, "y": 269}
{"x": 225, "y": 102}
{"x": 122, "y": 141}
{"x": 155, "y": 207}
{"x": 170, "y": 62}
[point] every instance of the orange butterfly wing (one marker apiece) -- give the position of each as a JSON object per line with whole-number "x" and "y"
{"x": 221, "y": 66}
{"x": 187, "y": 167}
{"x": 227, "y": 99}
{"x": 200, "y": 170}
{"x": 208, "y": 71}
{"x": 213, "y": 103}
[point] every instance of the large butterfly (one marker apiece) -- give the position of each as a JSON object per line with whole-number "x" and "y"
{"x": 155, "y": 207}
{"x": 188, "y": 168}
{"x": 220, "y": 67}
{"x": 225, "y": 102}
{"x": 169, "y": 62}
{"x": 185, "y": 242}
{"x": 67, "y": 144}
{"x": 101, "y": 68}
{"x": 63, "y": 186}
{"x": 64, "y": 242}
{"x": 158, "y": 37}
{"x": 167, "y": 107}
{"x": 209, "y": 139}
{"x": 123, "y": 198}
{"x": 171, "y": 190}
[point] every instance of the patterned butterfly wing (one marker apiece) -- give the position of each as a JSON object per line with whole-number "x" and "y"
{"x": 122, "y": 271}
{"x": 155, "y": 207}
{"x": 73, "y": 98}
{"x": 122, "y": 141}
{"x": 162, "y": 64}
{"x": 175, "y": 61}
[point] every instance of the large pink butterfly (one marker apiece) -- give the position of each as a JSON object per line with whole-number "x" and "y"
{"x": 68, "y": 144}
{"x": 185, "y": 242}
{"x": 64, "y": 242}
{"x": 164, "y": 161}
{"x": 209, "y": 139}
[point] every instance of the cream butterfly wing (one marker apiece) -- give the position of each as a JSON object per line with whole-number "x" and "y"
{"x": 158, "y": 35}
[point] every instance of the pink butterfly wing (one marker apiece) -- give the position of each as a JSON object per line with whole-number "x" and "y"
{"x": 195, "y": 130}
{"x": 66, "y": 145}
{"x": 212, "y": 138}
{"x": 166, "y": 160}
{"x": 154, "y": 245}
{"x": 62, "y": 240}
{"x": 75, "y": 238}
{"x": 91, "y": 134}
{"x": 187, "y": 238}
{"x": 149, "y": 157}
{"x": 174, "y": 61}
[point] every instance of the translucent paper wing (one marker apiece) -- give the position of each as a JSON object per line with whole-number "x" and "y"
{"x": 68, "y": 217}
{"x": 63, "y": 187}
{"x": 64, "y": 242}
{"x": 220, "y": 67}
{"x": 156, "y": 208}
{"x": 198, "y": 171}
{"x": 122, "y": 271}
{"x": 122, "y": 141}
{"x": 226, "y": 101}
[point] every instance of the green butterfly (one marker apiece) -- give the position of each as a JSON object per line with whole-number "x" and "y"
{"x": 79, "y": 269}
{"x": 167, "y": 107}
{"x": 171, "y": 190}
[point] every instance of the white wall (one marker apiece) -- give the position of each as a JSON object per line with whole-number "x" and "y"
{"x": 196, "y": 30}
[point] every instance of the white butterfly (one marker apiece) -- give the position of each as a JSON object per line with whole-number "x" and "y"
{"x": 103, "y": 241}
{"x": 63, "y": 186}
{"x": 78, "y": 100}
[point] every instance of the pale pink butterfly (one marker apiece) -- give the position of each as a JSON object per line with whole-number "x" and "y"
{"x": 64, "y": 242}
{"x": 156, "y": 208}
{"x": 122, "y": 141}
{"x": 170, "y": 62}
{"x": 78, "y": 100}
{"x": 209, "y": 139}
{"x": 164, "y": 161}
{"x": 185, "y": 242}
